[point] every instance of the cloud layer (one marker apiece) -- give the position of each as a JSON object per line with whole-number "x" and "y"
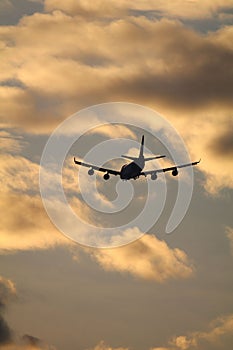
{"x": 185, "y": 75}
{"x": 178, "y": 8}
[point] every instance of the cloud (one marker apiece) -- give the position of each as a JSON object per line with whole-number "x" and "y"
{"x": 229, "y": 231}
{"x": 18, "y": 174}
{"x": 160, "y": 63}
{"x": 184, "y": 70}
{"x": 181, "y": 73}
{"x": 147, "y": 258}
{"x": 218, "y": 336}
{"x": 102, "y": 346}
{"x": 114, "y": 130}
{"x": 8, "y": 339}
{"x": 178, "y": 8}
{"x": 7, "y": 293}
{"x": 10, "y": 143}
{"x": 222, "y": 145}
{"x": 25, "y": 224}
{"x": 27, "y": 342}
{"x": 215, "y": 164}
{"x": 5, "y": 332}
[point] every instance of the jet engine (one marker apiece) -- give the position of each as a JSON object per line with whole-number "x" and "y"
{"x": 153, "y": 176}
{"x": 175, "y": 172}
{"x": 90, "y": 172}
{"x": 106, "y": 176}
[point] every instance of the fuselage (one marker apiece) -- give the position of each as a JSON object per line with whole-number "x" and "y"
{"x": 133, "y": 169}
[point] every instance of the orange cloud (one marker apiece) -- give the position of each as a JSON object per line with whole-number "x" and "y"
{"x": 184, "y": 71}
{"x": 218, "y": 336}
{"x": 25, "y": 224}
{"x": 7, "y": 289}
{"x": 103, "y": 346}
{"x": 107, "y": 8}
{"x": 9, "y": 143}
{"x": 147, "y": 258}
{"x": 185, "y": 76}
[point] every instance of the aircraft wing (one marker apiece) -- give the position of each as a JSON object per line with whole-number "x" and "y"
{"x": 97, "y": 168}
{"x": 174, "y": 167}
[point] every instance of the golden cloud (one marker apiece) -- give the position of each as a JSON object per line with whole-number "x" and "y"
{"x": 107, "y": 8}
{"x": 185, "y": 75}
{"x": 147, "y": 258}
{"x": 102, "y": 346}
{"x": 7, "y": 290}
{"x": 114, "y": 130}
{"x": 218, "y": 336}
{"x": 25, "y": 224}
{"x": 24, "y": 344}
{"x": 184, "y": 70}
{"x": 18, "y": 174}
{"x": 9, "y": 143}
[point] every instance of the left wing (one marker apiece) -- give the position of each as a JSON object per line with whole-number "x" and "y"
{"x": 95, "y": 167}
{"x": 172, "y": 168}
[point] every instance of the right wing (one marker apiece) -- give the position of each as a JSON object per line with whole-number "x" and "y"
{"x": 163, "y": 170}
{"x": 97, "y": 168}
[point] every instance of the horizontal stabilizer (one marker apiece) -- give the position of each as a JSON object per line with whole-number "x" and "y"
{"x": 129, "y": 157}
{"x": 154, "y": 157}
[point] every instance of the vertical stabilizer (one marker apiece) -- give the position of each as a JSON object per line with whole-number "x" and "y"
{"x": 142, "y": 146}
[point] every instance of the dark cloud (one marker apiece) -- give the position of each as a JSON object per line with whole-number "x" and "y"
{"x": 223, "y": 144}
{"x": 7, "y": 337}
{"x": 160, "y": 62}
{"x": 5, "y": 332}
{"x": 196, "y": 76}
{"x": 6, "y": 293}
{"x": 30, "y": 340}
{"x": 12, "y": 83}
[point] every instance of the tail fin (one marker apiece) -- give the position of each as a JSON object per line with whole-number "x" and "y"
{"x": 142, "y": 147}
{"x": 141, "y": 154}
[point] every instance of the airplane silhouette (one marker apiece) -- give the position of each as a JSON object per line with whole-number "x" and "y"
{"x": 134, "y": 169}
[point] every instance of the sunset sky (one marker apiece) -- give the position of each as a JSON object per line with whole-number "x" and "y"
{"x": 163, "y": 291}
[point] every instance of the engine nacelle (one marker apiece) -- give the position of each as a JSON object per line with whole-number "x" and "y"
{"x": 90, "y": 172}
{"x": 106, "y": 176}
{"x": 175, "y": 172}
{"x": 153, "y": 176}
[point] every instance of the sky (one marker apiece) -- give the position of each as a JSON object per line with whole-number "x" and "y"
{"x": 161, "y": 291}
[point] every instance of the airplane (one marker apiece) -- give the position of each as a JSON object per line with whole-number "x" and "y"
{"x": 134, "y": 169}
